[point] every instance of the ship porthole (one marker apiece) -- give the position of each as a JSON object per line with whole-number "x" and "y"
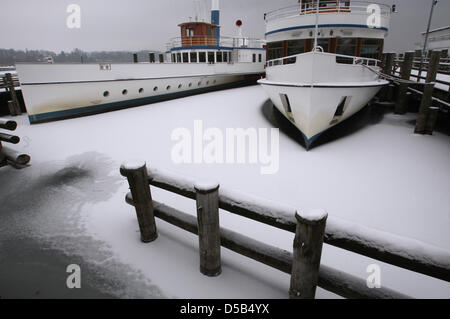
{"x": 179, "y": 86}
{"x": 155, "y": 89}
{"x": 141, "y": 90}
{"x": 106, "y": 93}
{"x": 124, "y": 92}
{"x": 190, "y": 84}
{"x": 199, "y": 83}
{"x": 168, "y": 88}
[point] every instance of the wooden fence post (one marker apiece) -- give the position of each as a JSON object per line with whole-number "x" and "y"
{"x": 433, "y": 66}
{"x": 307, "y": 253}
{"x": 432, "y": 119}
{"x": 207, "y": 197}
{"x": 136, "y": 173}
{"x": 401, "y": 105}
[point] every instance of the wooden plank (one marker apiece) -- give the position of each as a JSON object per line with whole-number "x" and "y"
{"x": 8, "y": 124}
{"x": 9, "y": 138}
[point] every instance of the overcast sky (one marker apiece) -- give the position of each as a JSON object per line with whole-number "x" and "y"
{"x": 147, "y": 24}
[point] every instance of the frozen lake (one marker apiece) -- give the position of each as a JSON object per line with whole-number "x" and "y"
{"x": 371, "y": 170}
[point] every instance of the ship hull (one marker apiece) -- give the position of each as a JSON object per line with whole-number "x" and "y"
{"x": 63, "y": 91}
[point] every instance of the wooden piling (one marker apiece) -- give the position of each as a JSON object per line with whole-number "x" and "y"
{"x": 136, "y": 173}
{"x": 207, "y": 198}
{"x": 427, "y": 99}
{"x": 401, "y": 105}
{"x": 308, "y": 244}
{"x": 389, "y": 63}
{"x": 13, "y": 104}
{"x": 433, "y": 66}
{"x": 425, "y": 123}
{"x": 431, "y": 120}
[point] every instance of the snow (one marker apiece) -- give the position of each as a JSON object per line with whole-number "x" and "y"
{"x": 206, "y": 185}
{"x": 132, "y": 165}
{"x": 377, "y": 175}
{"x": 313, "y": 215}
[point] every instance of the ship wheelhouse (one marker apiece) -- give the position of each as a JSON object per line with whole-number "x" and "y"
{"x": 201, "y": 42}
{"x": 344, "y": 27}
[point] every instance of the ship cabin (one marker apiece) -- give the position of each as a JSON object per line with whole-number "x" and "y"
{"x": 201, "y": 42}
{"x": 352, "y": 28}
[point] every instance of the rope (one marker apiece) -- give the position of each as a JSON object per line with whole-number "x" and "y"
{"x": 390, "y": 77}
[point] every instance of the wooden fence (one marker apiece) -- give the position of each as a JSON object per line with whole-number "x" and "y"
{"x": 7, "y": 155}
{"x": 432, "y": 99}
{"x": 311, "y": 230}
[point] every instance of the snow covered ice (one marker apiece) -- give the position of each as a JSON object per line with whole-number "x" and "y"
{"x": 377, "y": 174}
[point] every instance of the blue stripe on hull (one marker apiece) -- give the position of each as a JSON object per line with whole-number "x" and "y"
{"x": 95, "y": 109}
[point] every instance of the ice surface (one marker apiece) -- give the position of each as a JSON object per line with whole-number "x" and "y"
{"x": 378, "y": 174}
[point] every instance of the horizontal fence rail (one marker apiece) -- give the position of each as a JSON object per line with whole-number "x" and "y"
{"x": 392, "y": 249}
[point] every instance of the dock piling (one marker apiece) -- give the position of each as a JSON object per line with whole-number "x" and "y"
{"x": 401, "y": 105}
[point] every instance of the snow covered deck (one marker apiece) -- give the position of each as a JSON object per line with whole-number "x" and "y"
{"x": 72, "y": 197}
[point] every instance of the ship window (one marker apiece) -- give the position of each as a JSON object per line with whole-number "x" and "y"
{"x": 124, "y": 92}
{"x": 106, "y": 93}
{"x": 202, "y": 57}
{"x": 155, "y": 89}
{"x": 260, "y": 58}
{"x": 193, "y": 57}
{"x": 189, "y": 32}
{"x": 179, "y": 86}
{"x": 179, "y": 57}
{"x": 324, "y": 44}
{"x": 275, "y": 50}
{"x": 199, "y": 83}
{"x": 254, "y": 58}
{"x": 185, "y": 57}
{"x": 211, "y": 57}
{"x": 141, "y": 90}
{"x": 207, "y": 82}
{"x": 190, "y": 84}
{"x": 219, "y": 57}
{"x": 168, "y": 88}
{"x": 295, "y": 47}
{"x": 173, "y": 58}
{"x": 371, "y": 48}
{"x": 346, "y": 46}
{"x": 225, "y": 57}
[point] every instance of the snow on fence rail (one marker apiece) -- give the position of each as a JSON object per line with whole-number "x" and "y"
{"x": 303, "y": 267}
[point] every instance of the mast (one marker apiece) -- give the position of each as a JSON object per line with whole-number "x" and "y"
{"x": 215, "y": 18}
{"x": 317, "y": 25}
{"x": 424, "y": 51}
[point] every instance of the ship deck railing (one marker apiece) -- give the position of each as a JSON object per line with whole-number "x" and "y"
{"x": 205, "y": 41}
{"x": 341, "y": 59}
{"x": 326, "y": 7}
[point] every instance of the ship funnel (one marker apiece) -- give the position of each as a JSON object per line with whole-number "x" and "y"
{"x": 215, "y": 18}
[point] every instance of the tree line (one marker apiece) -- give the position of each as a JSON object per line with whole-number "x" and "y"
{"x": 11, "y": 56}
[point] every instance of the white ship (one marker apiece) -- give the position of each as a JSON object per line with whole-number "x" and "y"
{"x": 324, "y": 61}
{"x": 198, "y": 61}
